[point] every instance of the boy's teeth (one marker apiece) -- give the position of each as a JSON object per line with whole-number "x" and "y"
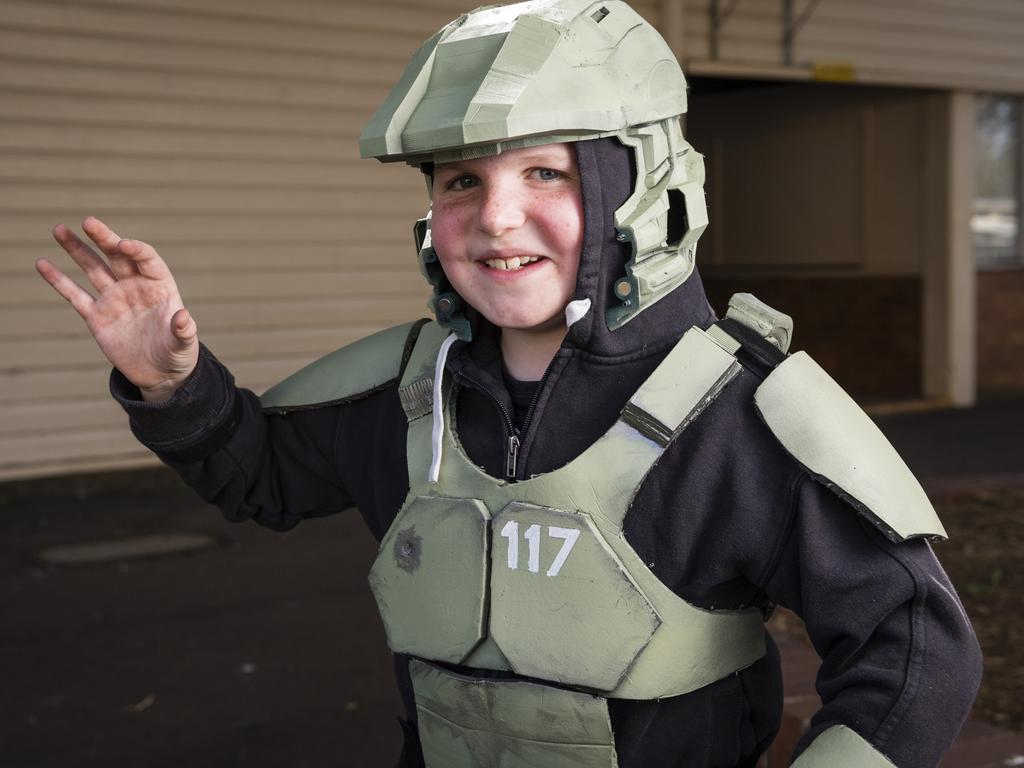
{"x": 514, "y": 263}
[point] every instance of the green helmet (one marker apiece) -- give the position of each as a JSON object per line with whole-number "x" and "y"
{"x": 547, "y": 71}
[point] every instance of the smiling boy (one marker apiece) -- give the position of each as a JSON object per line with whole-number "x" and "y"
{"x": 588, "y": 490}
{"x": 508, "y": 230}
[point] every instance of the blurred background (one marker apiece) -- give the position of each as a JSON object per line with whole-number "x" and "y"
{"x": 864, "y": 175}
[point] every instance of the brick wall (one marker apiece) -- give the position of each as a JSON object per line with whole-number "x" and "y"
{"x": 1001, "y": 332}
{"x": 865, "y": 331}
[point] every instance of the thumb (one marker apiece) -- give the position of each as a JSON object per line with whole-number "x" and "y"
{"x": 184, "y": 328}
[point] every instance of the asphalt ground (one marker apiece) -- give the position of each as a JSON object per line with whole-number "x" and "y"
{"x": 256, "y": 648}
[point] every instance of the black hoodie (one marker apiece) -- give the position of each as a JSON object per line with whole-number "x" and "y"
{"x": 726, "y": 519}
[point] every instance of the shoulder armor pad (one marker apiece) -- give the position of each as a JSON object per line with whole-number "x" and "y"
{"x": 835, "y": 441}
{"x": 352, "y": 372}
{"x": 772, "y": 325}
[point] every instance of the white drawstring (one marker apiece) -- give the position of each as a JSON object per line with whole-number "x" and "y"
{"x": 576, "y": 311}
{"x": 438, "y": 429}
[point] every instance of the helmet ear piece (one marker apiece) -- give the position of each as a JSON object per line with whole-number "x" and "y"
{"x": 661, "y": 220}
{"x": 677, "y": 224}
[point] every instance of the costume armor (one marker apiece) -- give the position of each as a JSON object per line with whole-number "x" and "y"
{"x": 503, "y": 577}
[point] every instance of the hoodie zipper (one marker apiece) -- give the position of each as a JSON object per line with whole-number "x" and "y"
{"x": 513, "y": 443}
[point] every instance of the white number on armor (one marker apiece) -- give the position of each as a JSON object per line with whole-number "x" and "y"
{"x": 568, "y": 537}
{"x": 510, "y": 531}
{"x": 532, "y": 536}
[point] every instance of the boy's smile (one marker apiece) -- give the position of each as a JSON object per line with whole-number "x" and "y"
{"x": 508, "y": 230}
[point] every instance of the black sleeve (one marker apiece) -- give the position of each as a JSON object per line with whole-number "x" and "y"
{"x": 276, "y": 469}
{"x": 900, "y": 662}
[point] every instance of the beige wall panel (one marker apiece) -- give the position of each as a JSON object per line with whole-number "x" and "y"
{"x": 226, "y": 134}
{"x": 933, "y": 43}
{"x": 69, "y": 384}
{"x": 172, "y": 113}
{"x": 19, "y": 386}
{"x": 84, "y": 413}
{"x": 394, "y": 25}
{"x": 243, "y": 343}
{"x": 218, "y": 228}
{"x": 22, "y": 386}
{"x": 42, "y": 447}
{"x": 27, "y": 290}
{"x": 396, "y": 251}
{"x": 649, "y": 9}
{"x": 139, "y": 199}
{"x": 366, "y": 58}
{"x": 20, "y": 134}
{"x": 194, "y": 172}
{"x": 26, "y": 323}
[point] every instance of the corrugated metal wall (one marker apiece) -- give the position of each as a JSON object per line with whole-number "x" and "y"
{"x": 942, "y": 43}
{"x": 224, "y": 133}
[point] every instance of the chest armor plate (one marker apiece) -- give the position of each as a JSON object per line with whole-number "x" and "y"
{"x": 536, "y": 577}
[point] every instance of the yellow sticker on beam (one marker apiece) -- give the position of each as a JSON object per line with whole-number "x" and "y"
{"x": 834, "y": 71}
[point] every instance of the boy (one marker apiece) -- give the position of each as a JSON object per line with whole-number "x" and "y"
{"x": 587, "y": 491}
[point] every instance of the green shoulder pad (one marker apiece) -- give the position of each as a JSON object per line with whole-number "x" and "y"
{"x": 830, "y": 436}
{"x": 357, "y": 370}
{"x": 839, "y": 746}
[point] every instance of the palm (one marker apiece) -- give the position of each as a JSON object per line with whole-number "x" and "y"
{"x": 137, "y": 316}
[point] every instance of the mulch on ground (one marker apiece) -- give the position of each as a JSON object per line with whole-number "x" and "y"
{"x": 984, "y": 558}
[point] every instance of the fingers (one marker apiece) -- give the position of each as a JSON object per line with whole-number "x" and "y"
{"x": 95, "y": 268}
{"x": 78, "y": 297}
{"x": 126, "y": 256}
{"x": 145, "y": 259}
{"x": 183, "y": 326}
{"x": 108, "y": 240}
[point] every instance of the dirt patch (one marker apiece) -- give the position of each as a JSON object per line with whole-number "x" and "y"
{"x": 985, "y": 561}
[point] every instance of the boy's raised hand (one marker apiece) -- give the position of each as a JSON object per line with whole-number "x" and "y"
{"x": 137, "y": 316}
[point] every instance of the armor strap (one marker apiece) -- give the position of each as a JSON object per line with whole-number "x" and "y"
{"x": 689, "y": 378}
{"x": 415, "y": 388}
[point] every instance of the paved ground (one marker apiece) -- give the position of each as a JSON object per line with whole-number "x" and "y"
{"x": 262, "y": 649}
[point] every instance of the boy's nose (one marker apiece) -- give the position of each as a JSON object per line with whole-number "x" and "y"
{"x": 500, "y": 211}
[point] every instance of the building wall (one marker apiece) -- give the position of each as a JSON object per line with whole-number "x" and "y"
{"x": 937, "y": 43}
{"x": 818, "y": 204}
{"x": 224, "y": 132}
{"x": 1000, "y": 332}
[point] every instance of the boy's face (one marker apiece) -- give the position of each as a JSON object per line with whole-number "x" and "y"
{"x": 508, "y": 230}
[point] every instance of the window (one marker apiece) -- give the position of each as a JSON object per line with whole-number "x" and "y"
{"x": 998, "y": 177}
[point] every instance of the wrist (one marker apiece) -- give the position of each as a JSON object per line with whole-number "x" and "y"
{"x": 163, "y": 391}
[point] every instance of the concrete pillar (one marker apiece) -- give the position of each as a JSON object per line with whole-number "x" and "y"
{"x": 950, "y": 312}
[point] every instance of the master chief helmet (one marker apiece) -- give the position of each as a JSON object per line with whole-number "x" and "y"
{"x": 547, "y": 71}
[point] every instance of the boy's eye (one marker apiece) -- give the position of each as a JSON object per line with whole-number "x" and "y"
{"x": 548, "y": 174}
{"x": 465, "y": 181}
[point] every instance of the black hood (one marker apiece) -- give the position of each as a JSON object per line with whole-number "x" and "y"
{"x": 595, "y": 370}
{"x": 608, "y": 175}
